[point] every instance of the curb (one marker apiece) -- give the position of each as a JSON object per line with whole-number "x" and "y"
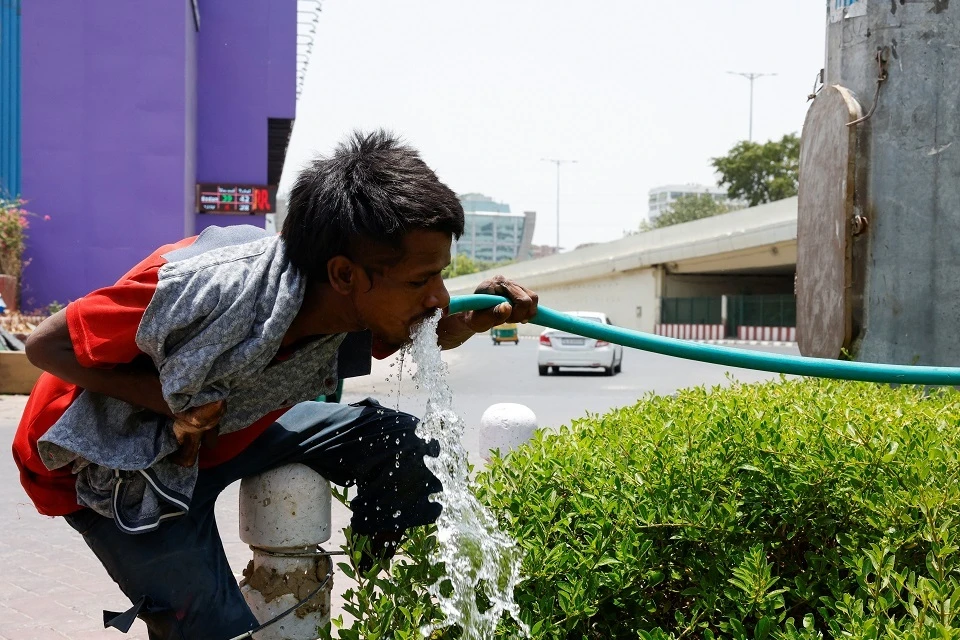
{"x": 723, "y": 343}
{"x": 751, "y": 343}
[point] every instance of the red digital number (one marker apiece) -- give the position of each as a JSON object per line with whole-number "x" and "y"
{"x": 261, "y": 200}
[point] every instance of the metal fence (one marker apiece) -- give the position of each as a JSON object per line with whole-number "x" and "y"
{"x": 769, "y": 310}
{"x": 772, "y": 310}
{"x": 691, "y": 310}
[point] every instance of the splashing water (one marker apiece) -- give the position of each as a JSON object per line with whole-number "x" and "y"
{"x": 475, "y": 552}
{"x": 402, "y": 357}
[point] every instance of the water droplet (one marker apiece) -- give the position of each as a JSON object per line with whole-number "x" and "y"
{"x": 396, "y": 514}
{"x": 397, "y": 441}
{"x": 397, "y": 464}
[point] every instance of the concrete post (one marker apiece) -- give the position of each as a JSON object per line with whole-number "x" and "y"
{"x": 284, "y": 515}
{"x": 906, "y": 265}
{"x": 505, "y": 426}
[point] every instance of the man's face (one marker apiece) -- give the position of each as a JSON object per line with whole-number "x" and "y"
{"x": 408, "y": 291}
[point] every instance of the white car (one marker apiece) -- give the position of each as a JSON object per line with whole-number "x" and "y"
{"x": 562, "y": 349}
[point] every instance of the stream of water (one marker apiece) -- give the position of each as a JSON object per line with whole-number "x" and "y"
{"x": 476, "y": 554}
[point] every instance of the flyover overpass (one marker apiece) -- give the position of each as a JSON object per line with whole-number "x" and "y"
{"x": 746, "y": 252}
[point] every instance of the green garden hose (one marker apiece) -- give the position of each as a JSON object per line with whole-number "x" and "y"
{"x": 794, "y": 365}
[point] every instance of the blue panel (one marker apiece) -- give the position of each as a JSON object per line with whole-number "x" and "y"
{"x": 9, "y": 97}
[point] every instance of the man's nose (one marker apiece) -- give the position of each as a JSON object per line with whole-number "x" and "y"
{"x": 438, "y": 297}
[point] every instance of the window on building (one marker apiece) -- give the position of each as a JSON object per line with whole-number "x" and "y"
{"x": 483, "y": 253}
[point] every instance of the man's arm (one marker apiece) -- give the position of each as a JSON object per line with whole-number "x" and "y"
{"x": 454, "y": 330}
{"x": 50, "y": 348}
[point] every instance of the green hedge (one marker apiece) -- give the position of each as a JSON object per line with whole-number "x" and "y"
{"x": 797, "y": 509}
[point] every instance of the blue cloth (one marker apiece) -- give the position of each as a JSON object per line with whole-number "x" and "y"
{"x": 353, "y": 357}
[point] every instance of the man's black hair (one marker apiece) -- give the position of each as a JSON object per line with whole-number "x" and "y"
{"x": 373, "y": 188}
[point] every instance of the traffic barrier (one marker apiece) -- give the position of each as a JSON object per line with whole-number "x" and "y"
{"x": 691, "y": 331}
{"x": 504, "y": 427}
{"x": 767, "y": 334}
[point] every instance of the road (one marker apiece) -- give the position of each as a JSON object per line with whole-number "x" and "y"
{"x": 53, "y": 587}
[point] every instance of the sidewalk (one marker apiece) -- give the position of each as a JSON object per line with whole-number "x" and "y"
{"x": 53, "y": 587}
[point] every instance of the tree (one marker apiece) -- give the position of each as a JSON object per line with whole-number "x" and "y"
{"x": 757, "y": 173}
{"x": 685, "y": 209}
{"x": 463, "y": 265}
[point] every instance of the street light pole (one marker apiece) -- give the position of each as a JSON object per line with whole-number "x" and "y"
{"x": 751, "y": 76}
{"x": 558, "y": 162}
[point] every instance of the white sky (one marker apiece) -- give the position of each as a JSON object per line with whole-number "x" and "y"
{"x": 635, "y": 90}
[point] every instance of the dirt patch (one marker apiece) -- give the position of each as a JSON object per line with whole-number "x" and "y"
{"x": 272, "y": 584}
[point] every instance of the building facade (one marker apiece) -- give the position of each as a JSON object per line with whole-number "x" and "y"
{"x": 491, "y": 232}
{"x": 9, "y": 98}
{"x": 125, "y": 108}
{"x": 662, "y": 197}
{"x": 538, "y": 251}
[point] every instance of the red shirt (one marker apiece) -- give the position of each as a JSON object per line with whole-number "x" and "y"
{"x": 103, "y": 327}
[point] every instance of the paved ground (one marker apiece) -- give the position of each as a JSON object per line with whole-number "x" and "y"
{"x": 52, "y": 586}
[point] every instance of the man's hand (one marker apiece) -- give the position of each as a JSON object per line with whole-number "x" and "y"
{"x": 521, "y": 306}
{"x": 194, "y": 425}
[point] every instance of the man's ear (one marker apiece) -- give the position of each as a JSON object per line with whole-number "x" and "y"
{"x": 342, "y": 274}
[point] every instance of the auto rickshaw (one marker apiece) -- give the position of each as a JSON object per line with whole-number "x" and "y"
{"x": 505, "y": 333}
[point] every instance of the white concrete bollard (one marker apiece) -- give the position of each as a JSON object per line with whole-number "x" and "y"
{"x": 283, "y": 513}
{"x": 505, "y": 426}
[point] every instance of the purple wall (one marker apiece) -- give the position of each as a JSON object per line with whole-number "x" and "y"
{"x": 246, "y": 72}
{"x": 125, "y": 107}
{"x": 190, "y": 123}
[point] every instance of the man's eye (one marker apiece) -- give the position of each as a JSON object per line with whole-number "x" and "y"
{"x": 419, "y": 283}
